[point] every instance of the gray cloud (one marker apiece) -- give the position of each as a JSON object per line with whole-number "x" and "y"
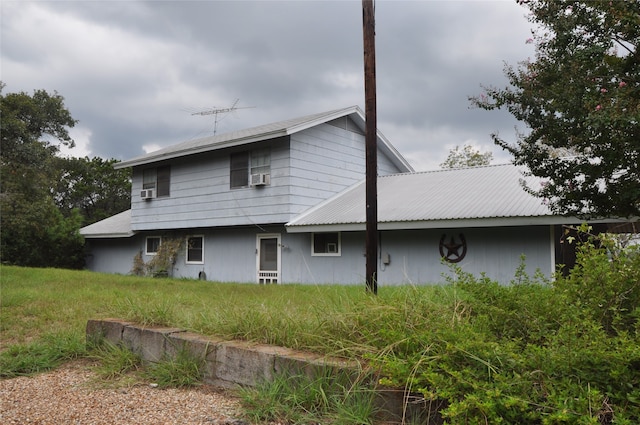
{"x": 133, "y": 72}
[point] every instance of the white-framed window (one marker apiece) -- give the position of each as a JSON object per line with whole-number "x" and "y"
{"x": 195, "y": 249}
{"x": 327, "y": 244}
{"x": 243, "y": 164}
{"x": 152, "y": 245}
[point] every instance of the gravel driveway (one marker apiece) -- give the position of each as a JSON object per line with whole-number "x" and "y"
{"x": 71, "y": 395}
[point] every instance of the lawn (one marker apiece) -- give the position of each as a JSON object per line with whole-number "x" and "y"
{"x": 529, "y": 353}
{"x": 37, "y": 302}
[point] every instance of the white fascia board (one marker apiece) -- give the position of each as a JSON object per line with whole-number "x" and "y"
{"x": 354, "y": 227}
{"x": 108, "y": 235}
{"x": 393, "y": 153}
{"x": 441, "y": 224}
{"x": 326, "y": 118}
{"x": 200, "y": 149}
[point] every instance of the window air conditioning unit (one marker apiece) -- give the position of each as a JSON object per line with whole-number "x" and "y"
{"x": 259, "y": 179}
{"x": 147, "y": 194}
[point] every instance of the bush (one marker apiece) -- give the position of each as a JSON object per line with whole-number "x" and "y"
{"x": 605, "y": 283}
{"x": 532, "y": 352}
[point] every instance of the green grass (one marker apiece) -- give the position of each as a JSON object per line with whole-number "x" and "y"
{"x": 329, "y": 398}
{"x": 326, "y": 319}
{"x": 527, "y": 353}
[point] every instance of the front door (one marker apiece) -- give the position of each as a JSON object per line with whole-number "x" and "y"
{"x": 268, "y": 261}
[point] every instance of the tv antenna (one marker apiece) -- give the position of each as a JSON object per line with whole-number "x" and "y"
{"x": 217, "y": 111}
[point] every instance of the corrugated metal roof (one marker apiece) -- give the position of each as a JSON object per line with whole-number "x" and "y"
{"x": 116, "y": 226}
{"x": 264, "y": 132}
{"x": 427, "y": 199}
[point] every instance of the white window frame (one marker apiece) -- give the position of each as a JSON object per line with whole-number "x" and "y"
{"x": 186, "y": 254}
{"x": 146, "y": 244}
{"x": 338, "y": 251}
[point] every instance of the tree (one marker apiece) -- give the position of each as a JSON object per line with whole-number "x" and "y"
{"x": 33, "y": 232}
{"x": 580, "y": 99}
{"x": 466, "y": 157}
{"x": 92, "y": 187}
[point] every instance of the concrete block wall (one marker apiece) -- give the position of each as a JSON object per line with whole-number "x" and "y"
{"x": 232, "y": 363}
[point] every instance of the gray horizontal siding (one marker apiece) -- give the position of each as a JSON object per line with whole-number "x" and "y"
{"x": 113, "y": 255}
{"x": 201, "y": 196}
{"x": 415, "y": 256}
{"x": 314, "y": 165}
{"x": 325, "y": 160}
{"x": 230, "y": 255}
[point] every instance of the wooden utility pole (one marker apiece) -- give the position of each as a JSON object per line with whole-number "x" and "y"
{"x": 371, "y": 144}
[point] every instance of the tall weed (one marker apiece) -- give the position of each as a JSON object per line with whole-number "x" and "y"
{"x": 183, "y": 370}
{"x": 331, "y": 398}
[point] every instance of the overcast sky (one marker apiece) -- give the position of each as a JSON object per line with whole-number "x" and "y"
{"x": 133, "y": 73}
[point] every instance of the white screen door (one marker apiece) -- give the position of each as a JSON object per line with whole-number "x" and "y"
{"x": 268, "y": 261}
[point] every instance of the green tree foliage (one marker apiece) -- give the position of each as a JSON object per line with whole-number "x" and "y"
{"x": 466, "y": 157}
{"x": 92, "y": 187}
{"x": 33, "y": 232}
{"x": 580, "y": 99}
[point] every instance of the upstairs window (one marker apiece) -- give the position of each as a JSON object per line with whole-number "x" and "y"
{"x": 244, "y": 164}
{"x": 158, "y": 179}
{"x": 239, "y": 170}
{"x": 325, "y": 244}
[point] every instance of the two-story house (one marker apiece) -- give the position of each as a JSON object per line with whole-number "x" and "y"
{"x": 285, "y": 203}
{"x": 231, "y": 195}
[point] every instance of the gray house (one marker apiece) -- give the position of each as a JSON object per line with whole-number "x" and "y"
{"x": 284, "y": 203}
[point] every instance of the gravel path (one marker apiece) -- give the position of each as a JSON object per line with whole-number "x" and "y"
{"x": 71, "y": 395}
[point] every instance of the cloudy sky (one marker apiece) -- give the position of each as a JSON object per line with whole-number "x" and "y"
{"x": 133, "y": 73}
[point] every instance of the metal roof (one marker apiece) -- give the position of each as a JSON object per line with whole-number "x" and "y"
{"x": 116, "y": 226}
{"x": 464, "y": 197}
{"x": 264, "y": 132}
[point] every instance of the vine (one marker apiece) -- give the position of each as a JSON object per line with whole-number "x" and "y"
{"x": 161, "y": 265}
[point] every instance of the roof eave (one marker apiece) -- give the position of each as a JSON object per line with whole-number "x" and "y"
{"x": 202, "y": 149}
{"x": 108, "y": 235}
{"x": 546, "y": 220}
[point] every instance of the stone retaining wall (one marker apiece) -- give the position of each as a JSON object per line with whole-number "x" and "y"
{"x": 232, "y": 363}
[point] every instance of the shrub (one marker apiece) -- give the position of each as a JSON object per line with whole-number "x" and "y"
{"x": 531, "y": 352}
{"x": 605, "y": 282}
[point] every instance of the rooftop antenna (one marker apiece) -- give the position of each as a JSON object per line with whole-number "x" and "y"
{"x": 216, "y": 111}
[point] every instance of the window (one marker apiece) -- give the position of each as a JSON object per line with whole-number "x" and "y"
{"x": 325, "y": 244}
{"x": 195, "y": 249}
{"x": 152, "y": 245}
{"x": 157, "y": 178}
{"x": 260, "y": 162}
{"x": 239, "y": 169}
{"x": 244, "y": 164}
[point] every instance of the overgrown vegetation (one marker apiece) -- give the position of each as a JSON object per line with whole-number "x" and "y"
{"x": 534, "y": 352}
{"x": 183, "y": 370}
{"x": 161, "y": 264}
{"x": 332, "y": 398}
{"x": 117, "y": 363}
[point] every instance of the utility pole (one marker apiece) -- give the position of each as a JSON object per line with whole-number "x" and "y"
{"x": 371, "y": 145}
